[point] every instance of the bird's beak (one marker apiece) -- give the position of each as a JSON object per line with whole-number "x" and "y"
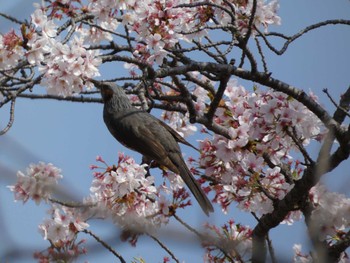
{"x": 97, "y": 83}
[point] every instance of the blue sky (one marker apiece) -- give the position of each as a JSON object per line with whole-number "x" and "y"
{"x": 70, "y": 135}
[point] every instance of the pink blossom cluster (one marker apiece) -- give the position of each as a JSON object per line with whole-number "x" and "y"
{"x": 331, "y": 216}
{"x": 38, "y": 183}
{"x": 65, "y": 65}
{"x": 69, "y": 66}
{"x": 129, "y": 196}
{"x": 234, "y": 239}
{"x": 261, "y": 126}
{"x": 64, "y": 223}
{"x": 156, "y": 24}
{"x": 123, "y": 192}
{"x": 159, "y": 25}
{"x": 265, "y": 15}
{"x": 61, "y": 230}
{"x": 11, "y": 51}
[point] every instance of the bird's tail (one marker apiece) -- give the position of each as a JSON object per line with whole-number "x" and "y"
{"x": 196, "y": 189}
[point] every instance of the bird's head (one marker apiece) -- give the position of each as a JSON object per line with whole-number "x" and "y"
{"x": 107, "y": 89}
{"x": 112, "y": 94}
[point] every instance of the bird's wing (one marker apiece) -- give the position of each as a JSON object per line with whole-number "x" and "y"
{"x": 155, "y": 149}
{"x": 174, "y": 133}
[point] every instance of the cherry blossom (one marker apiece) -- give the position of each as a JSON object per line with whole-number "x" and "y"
{"x": 332, "y": 212}
{"x": 61, "y": 230}
{"x": 37, "y": 183}
{"x": 11, "y": 51}
{"x": 64, "y": 224}
{"x": 40, "y": 20}
{"x": 129, "y": 196}
{"x": 38, "y": 47}
{"x": 67, "y": 66}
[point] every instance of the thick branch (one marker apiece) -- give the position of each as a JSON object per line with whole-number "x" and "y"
{"x": 61, "y": 98}
{"x": 298, "y": 197}
{"x": 335, "y": 251}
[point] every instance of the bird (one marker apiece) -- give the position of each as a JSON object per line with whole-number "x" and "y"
{"x": 140, "y": 131}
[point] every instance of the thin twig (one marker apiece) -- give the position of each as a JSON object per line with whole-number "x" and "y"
{"x": 12, "y": 117}
{"x": 108, "y": 247}
{"x": 206, "y": 46}
{"x": 83, "y": 99}
{"x": 164, "y": 247}
{"x": 222, "y": 56}
{"x": 21, "y": 80}
{"x": 335, "y": 104}
{"x": 70, "y": 32}
{"x": 261, "y": 55}
{"x": 290, "y": 39}
{"x": 247, "y": 53}
{"x": 128, "y": 38}
{"x": 108, "y": 31}
{"x": 20, "y": 90}
{"x": 140, "y": 92}
{"x": 204, "y": 84}
{"x": 13, "y": 19}
{"x": 209, "y": 53}
{"x": 250, "y": 24}
{"x": 71, "y": 204}
{"x": 300, "y": 146}
{"x": 188, "y": 99}
{"x": 191, "y": 229}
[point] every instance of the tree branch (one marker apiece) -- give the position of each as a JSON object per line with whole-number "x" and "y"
{"x": 165, "y": 248}
{"x": 12, "y": 117}
{"x": 218, "y": 96}
{"x": 61, "y": 98}
{"x": 290, "y": 39}
{"x": 108, "y": 247}
{"x": 336, "y": 250}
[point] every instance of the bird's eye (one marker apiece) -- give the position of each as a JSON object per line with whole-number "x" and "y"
{"x": 106, "y": 93}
